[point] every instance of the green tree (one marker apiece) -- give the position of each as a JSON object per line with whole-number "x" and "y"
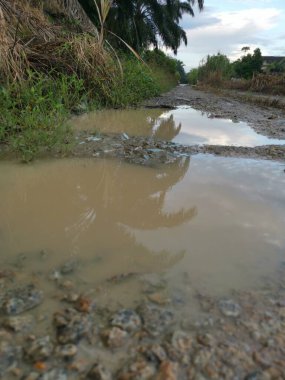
{"x": 215, "y": 68}
{"x": 142, "y": 23}
{"x": 248, "y": 65}
{"x": 192, "y": 76}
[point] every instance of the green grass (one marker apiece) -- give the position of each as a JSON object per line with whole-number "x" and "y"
{"x": 33, "y": 113}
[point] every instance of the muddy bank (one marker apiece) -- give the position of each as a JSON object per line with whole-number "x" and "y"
{"x": 148, "y": 151}
{"x": 266, "y": 120}
{"x": 240, "y": 336}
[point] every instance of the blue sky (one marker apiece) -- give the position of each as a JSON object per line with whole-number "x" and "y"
{"x": 226, "y": 26}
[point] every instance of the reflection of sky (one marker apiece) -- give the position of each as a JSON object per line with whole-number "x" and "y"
{"x": 183, "y": 125}
{"x": 239, "y": 224}
{"x": 199, "y": 129}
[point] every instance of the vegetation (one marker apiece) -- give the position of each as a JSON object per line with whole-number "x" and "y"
{"x": 53, "y": 60}
{"x": 142, "y": 23}
{"x": 243, "y": 74}
{"x": 248, "y": 65}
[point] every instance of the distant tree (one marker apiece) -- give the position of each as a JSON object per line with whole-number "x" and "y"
{"x": 215, "y": 68}
{"x": 245, "y": 49}
{"x": 192, "y": 76}
{"x": 248, "y": 65}
{"x": 181, "y": 71}
{"x": 277, "y": 67}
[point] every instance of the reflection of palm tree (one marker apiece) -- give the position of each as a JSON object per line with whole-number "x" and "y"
{"x": 142, "y": 122}
{"x": 126, "y": 199}
{"x": 167, "y": 130}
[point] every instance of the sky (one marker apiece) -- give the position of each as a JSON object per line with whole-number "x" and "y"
{"x": 226, "y": 26}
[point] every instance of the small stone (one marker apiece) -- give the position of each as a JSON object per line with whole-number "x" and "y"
{"x": 55, "y": 275}
{"x": 32, "y": 376}
{"x": 139, "y": 370}
{"x": 154, "y": 353}
{"x": 67, "y": 284}
{"x": 39, "y": 349}
{"x": 16, "y": 372}
{"x": 158, "y": 298}
{"x": 8, "y": 357}
{"x": 230, "y": 308}
{"x": 114, "y": 337}
{"x": 66, "y": 351}
{"x": 69, "y": 267}
{"x": 99, "y": 372}
{"x": 155, "y": 319}
{"x": 206, "y": 340}
{"x": 72, "y": 326}
{"x": 19, "y": 323}
{"x": 126, "y": 319}
{"x": 83, "y": 304}
{"x": 181, "y": 341}
{"x": 20, "y": 300}
{"x": 168, "y": 371}
{"x": 54, "y": 374}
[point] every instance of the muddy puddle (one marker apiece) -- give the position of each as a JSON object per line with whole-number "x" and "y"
{"x": 212, "y": 223}
{"x": 183, "y": 125}
{"x": 116, "y": 271}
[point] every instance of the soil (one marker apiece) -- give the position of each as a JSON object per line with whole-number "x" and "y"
{"x": 237, "y": 337}
{"x": 144, "y": 150}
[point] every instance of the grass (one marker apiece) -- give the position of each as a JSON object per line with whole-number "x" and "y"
{"x": 34, "y": 113}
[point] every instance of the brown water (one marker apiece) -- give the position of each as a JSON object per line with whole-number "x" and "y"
{"x": 215, "y": 224}
{"x": 182, "y": 125}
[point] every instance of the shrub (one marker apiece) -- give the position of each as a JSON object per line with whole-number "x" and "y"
{"x": 214, "y": 69}
{"x": 192, "y": 76}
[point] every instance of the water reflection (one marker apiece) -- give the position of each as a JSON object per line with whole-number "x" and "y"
{"x": 182, "y": 125}
{"x": 88, "y": 210}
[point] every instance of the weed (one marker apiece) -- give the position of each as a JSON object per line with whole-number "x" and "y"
{"x": 34, "y": 112}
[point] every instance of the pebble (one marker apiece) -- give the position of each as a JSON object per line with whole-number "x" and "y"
{"x": 114, "y": 337}
{"x": 17, "y": 301}
{"x": 138, "y": 370}
{"x": 72, "y": 326}
{"x": 126, "y": 319}
{"x": 155, "y": 319}
{"x": 66, "y": 350}
{"x": 229, "y": 308}
{"x": 168, "y": 371}
{"x": 39, "y": 349}
{"x": 99, "y": 372}
{"x": 19, "y": 324}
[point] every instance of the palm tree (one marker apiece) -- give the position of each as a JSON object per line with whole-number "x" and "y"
{"x": 142, "y": 23}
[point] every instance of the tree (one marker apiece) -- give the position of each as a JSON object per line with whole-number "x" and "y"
{"x": 249, "y": 65}
{"x": 142, "y": 23}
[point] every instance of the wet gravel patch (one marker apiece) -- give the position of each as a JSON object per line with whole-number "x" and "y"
{"x": 244, "y": 337}
{"x": 150, "y": 152}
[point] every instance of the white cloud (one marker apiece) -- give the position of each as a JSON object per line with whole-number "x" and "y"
{"x": 227, "y": 32}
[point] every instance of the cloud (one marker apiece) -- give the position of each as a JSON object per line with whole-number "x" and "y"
{"x": 228, "y": 31}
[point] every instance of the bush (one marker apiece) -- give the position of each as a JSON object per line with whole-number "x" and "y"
{"x": 215, "y": 69}
{"x": 34, "y": 111}
{"x": 136, "y": 83}
{"x": 192, "y": 76}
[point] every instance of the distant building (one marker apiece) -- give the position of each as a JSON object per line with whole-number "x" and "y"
{"x": 268, "y": 60}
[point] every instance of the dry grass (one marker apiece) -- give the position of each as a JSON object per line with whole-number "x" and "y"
{"x": 29, "y": 41}
{"x": 263, "y": 83}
